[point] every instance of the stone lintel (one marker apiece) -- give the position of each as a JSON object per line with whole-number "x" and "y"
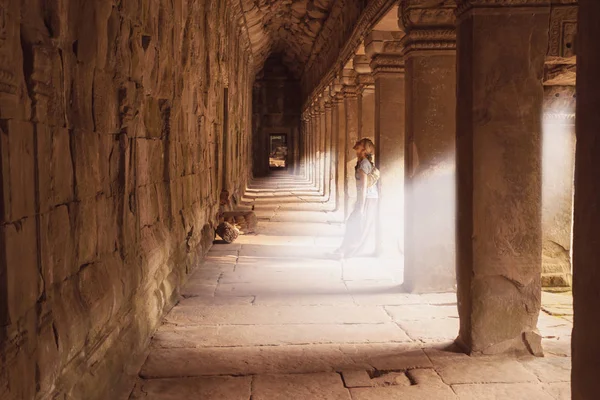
{"x": 425, "y": 14}
{"x": 465, "y": 6}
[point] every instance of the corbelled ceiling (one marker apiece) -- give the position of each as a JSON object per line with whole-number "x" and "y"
{"x": 289, "y": 27}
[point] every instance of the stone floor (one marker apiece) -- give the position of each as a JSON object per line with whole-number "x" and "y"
{"x": 274, "y": 316}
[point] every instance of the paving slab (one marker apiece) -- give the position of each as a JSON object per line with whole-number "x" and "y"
{"x": 305, "y": 286}
{"x": 495, "y": 391}
{"x": 272, "y": 335}
{"x": 456, "y": 369}
{"x": 429, "y": 388}
{"x": 198, "y": 288}
{"x": 210, "y": 361}
{"x": 306, "y": 252}
{"x": 276, "y": 315}
{"x": 549, "y": 369}
{"x": 207, "y": 300}
{"x": 431, "y": 330}
{"x": 418, "y": 312}
{"x": 388, "y": 356}
{"x": 557, "y": 346}
{"x": 222, "y": 388}
{"x": 356, "y": 379}
{"x": 250, "y": 274}
{"x": 322, "y": 386}
{"x": 559, "y": 390}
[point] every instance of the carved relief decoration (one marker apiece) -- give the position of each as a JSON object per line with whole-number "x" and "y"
{"x": 387, "y": 63}
{"x": 429, "y": 24}
{"x": 563, "y": 28}
{"x": 465, "y": 5}
{"x": 8, "y": 83}
{"x": 426, "y": 14}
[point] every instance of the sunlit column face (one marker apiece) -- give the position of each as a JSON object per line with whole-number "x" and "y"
{"x": 558, "y": 161}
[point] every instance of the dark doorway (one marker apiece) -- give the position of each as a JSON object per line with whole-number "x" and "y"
{"x": 278, "y": 151}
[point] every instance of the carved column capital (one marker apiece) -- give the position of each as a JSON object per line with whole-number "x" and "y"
{"x": 349, "y": 89}
{"x": 361, "y": 64}
{"x": 385, "y": 51}
{"x": 335, "y": 90}
{"x": 429, "y": 25}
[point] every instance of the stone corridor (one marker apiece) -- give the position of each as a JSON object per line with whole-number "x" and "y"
{"x": 273, "y": 316}
{"x": 176, "y": 177}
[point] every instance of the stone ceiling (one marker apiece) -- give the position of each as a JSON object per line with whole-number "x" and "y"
{"x": 289, "y": 27}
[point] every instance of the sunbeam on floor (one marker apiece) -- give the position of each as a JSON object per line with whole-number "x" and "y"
{"x": 275, "y": 316}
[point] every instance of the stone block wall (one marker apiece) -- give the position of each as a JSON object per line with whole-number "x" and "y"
{"x": 111, "y": 119}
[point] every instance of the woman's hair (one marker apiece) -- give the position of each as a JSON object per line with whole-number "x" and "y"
{"x": 369, "y": 147}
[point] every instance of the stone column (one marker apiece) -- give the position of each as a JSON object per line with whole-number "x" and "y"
{"x": 558, "y": 168}
{"x": 349, "y": 92}
{"x": 327, "y": 118}
{"x": 322, "y": 141}
{"x": 430, "y": 230}
{"x": 365, "y": 85}
{"x": 316, "y": 115}
{"x": 586, "y": 228}
{"x": 304, "y": 144}
{"x": 339, "y": 132}
{"x": 501, "y": 49}
{"x": 387, "y": 64}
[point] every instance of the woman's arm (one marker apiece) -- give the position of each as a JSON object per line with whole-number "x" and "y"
{"x": 362, "y": 190}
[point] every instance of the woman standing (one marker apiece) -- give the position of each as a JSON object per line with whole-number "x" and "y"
{"x": 359, "y": 239}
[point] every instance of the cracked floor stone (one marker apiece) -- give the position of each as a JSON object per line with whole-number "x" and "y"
{"x": 274, "y": 316}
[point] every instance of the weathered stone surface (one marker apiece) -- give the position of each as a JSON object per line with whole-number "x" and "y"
{"x": 262, "y": 335}
{"x": 356, "y": 379}
{"x": 558, "y": 164}
{"x": 429, "y": 386}
{"x": 499, "y": 168}
{"x": 481, "y": 370}
{"x": 225, "y": 388}
{"x": 108, "y": 187}
{"x": 517, "y": 391}
{"x": 550, "y": 369}
{"x": 277, "y": 315}
{"x": 307, "y": 386}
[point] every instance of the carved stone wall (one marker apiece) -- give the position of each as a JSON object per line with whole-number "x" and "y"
{"x": 110, "y": 139}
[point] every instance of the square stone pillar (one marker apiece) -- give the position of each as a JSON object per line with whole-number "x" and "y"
{"x": 387, "y": 64}
{"x": 328, "y": 110}
{"x": 339, "y": 132}
{"x": 314, "y": 116}
{"x": 322, "y": 142}
{"x": 365, "y": 85}
{"x": 558, "y": 169}
{"x": 317, "y": 114}
{"x": 500, "y": 51}
{"x": 430, "y": 196}
{"x": 586, "y": 228}
{"x": 349, "y": 91}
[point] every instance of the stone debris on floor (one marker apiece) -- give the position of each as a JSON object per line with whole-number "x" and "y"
{"x": 273, "y": 316}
